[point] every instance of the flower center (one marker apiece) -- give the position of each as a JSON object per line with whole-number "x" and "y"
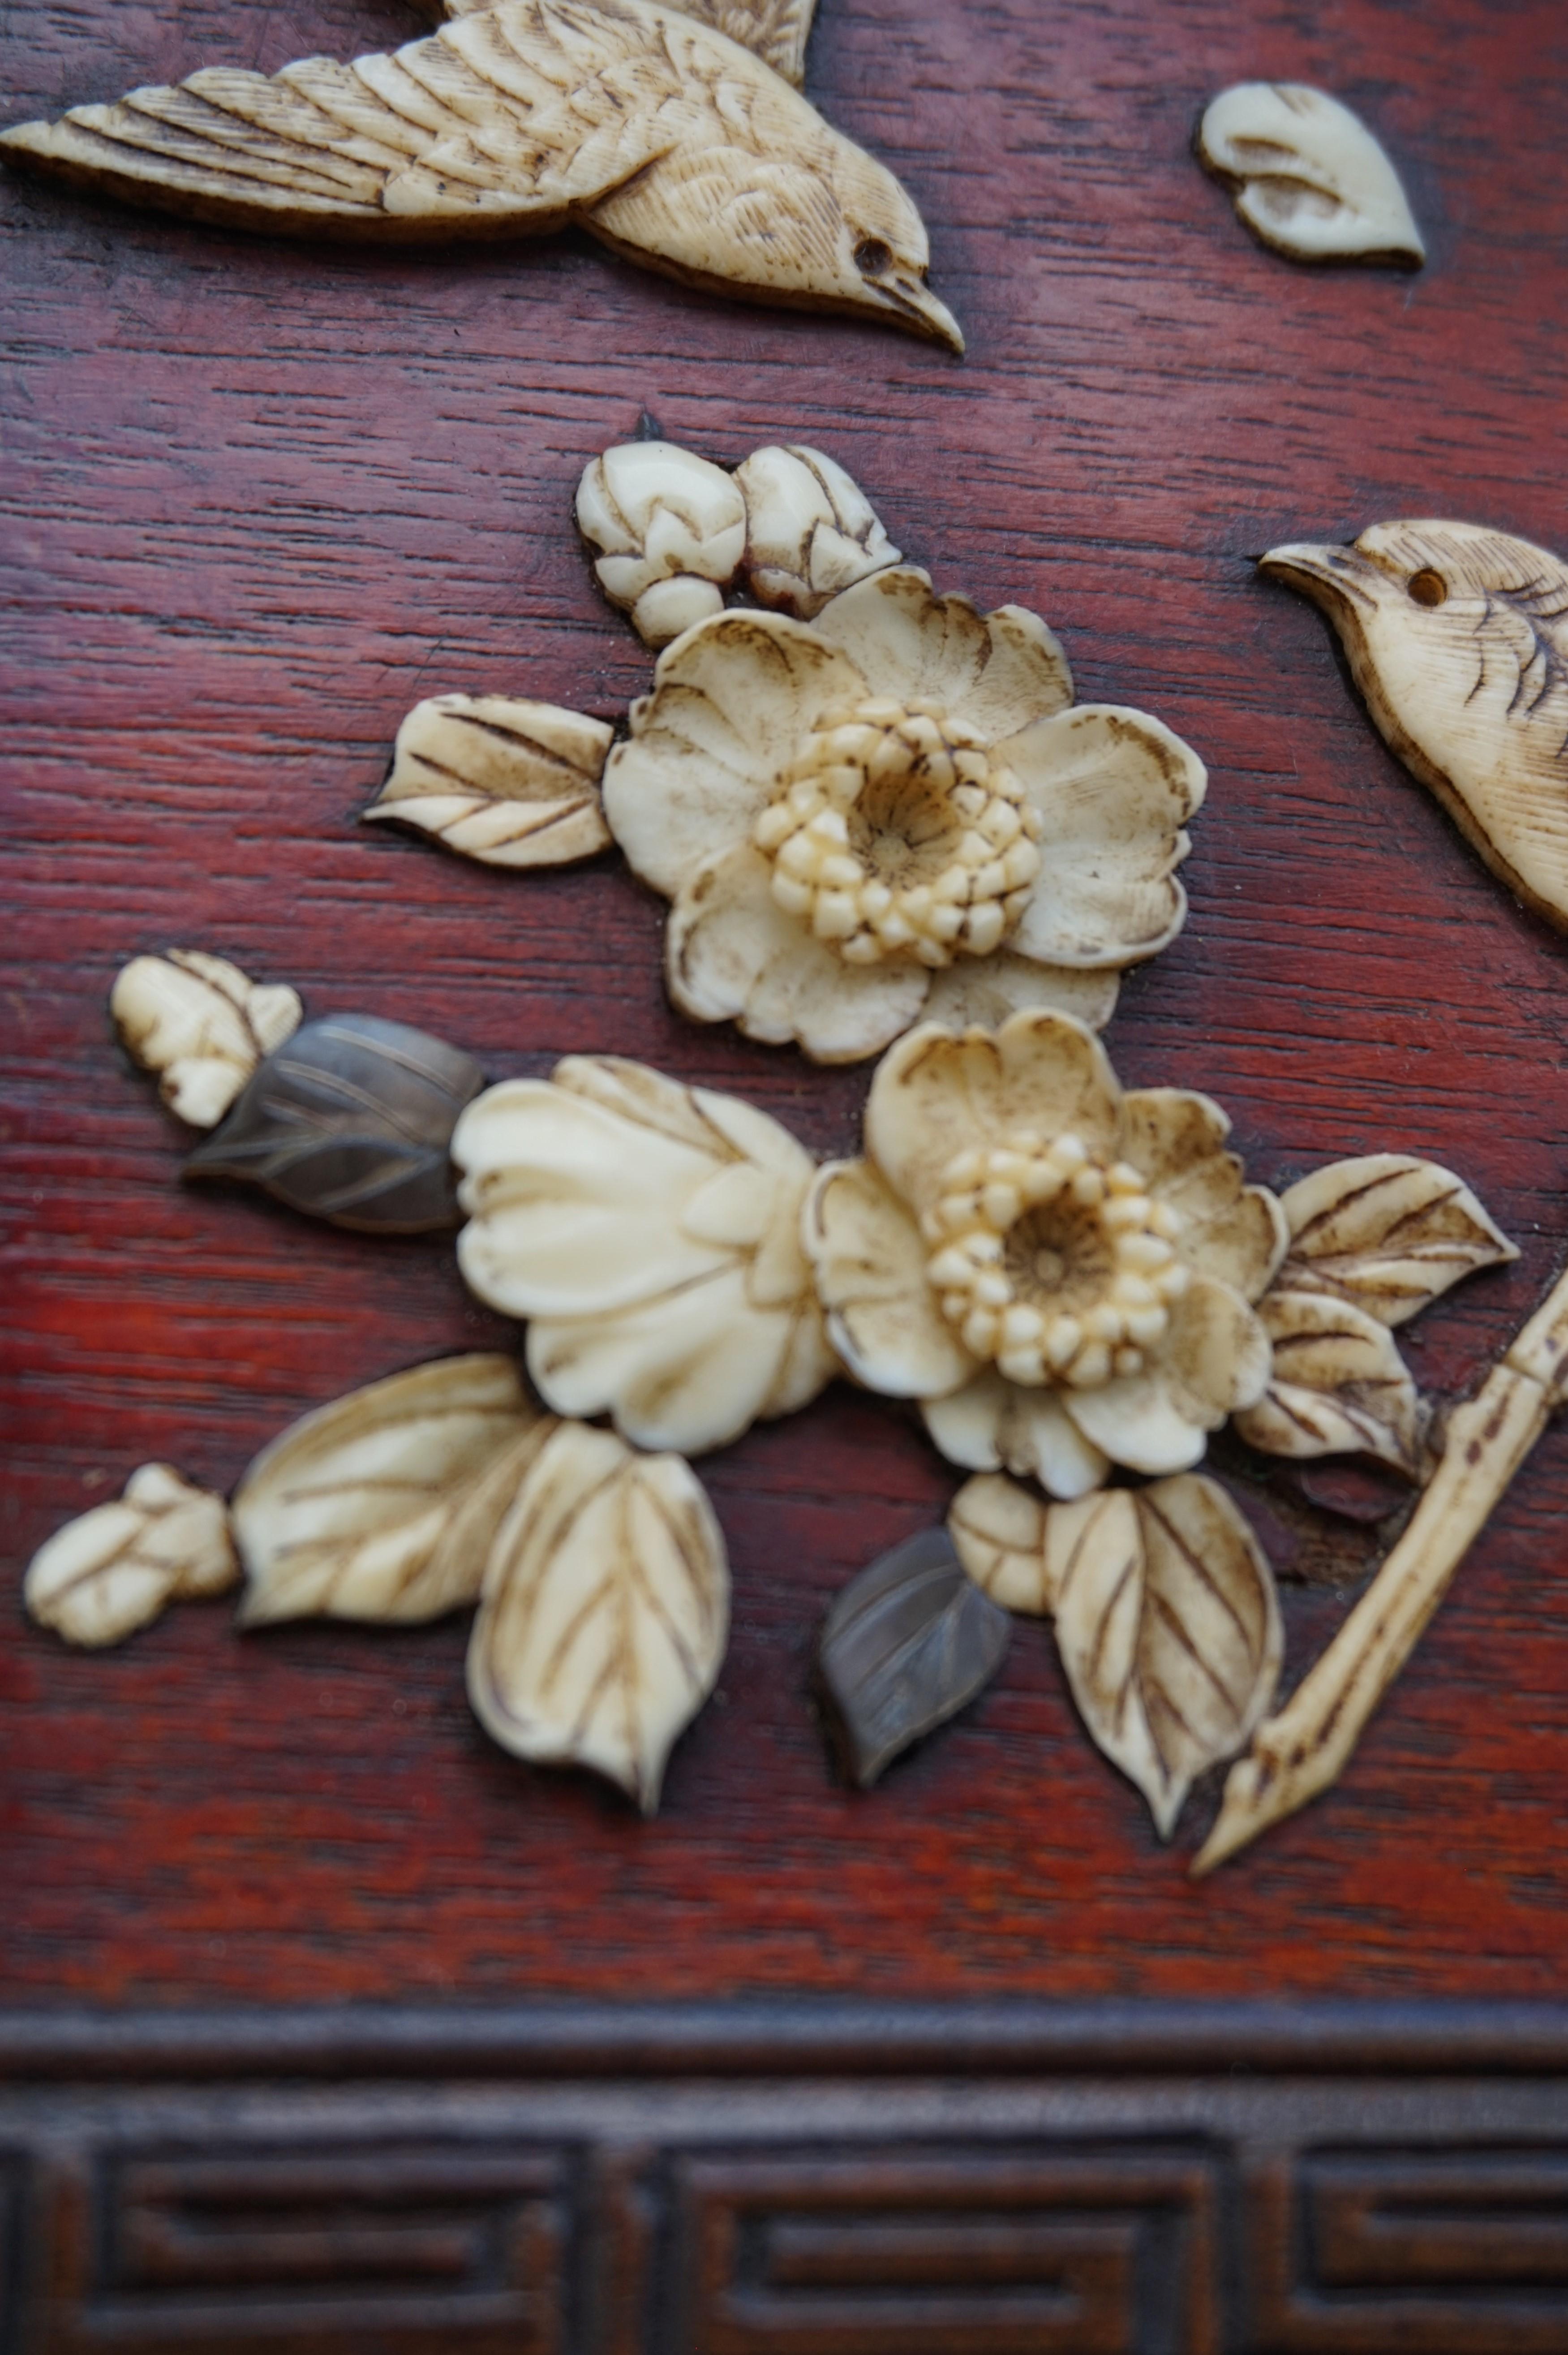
{"x": 893, "y": 833}
{"x": 1058, "y": 1267}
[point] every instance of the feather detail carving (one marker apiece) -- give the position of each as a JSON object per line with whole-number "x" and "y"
{"x": 775, "y": 30}
{"x": 1457, "y": 637}
{"x": 661, "y": 135}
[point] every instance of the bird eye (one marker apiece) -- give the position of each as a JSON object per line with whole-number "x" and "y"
{"x": 871, "y": 256}
{"x": 1427, "y": 588}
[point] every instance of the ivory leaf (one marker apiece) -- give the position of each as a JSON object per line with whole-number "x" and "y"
{"x": 903, "y": 1648}
{"x": 505, "y": 781}
{"x": 1306, "y": 175}
{"x": 1169, "y": 1630}
{"x": 116, "y": 1568}
{"x": 605, "y": 1611}
{"x": 352, "y": 1121}
{"x": 383, "y": 1504}
{"x": 1339, "y": 1385}
{"x": 1387, "y": 1232}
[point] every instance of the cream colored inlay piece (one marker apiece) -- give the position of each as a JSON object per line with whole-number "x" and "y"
{"x": 658, "y": 134}
{"x": 201, "y": 1025}
{"x": 1308, "y": 176}
{"x": 1303, "y": 1750}
{"x": 509, "y": 783}
{"x": 1457, "y": 636}
{"x": 119, "y": 1567}
{"x": 605, "y": 1613}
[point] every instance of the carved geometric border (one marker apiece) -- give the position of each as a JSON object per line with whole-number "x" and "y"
{"x": 787, "y": 2180}
{"x": 1465, "y": 2246}
{"x": 13, "y": 2195}
{"x": 1035, "y": 2250}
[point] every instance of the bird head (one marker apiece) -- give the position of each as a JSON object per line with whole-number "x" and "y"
{"x": 769, "y": 200}
{"x": 1457, "y": 637}
{"x": 881, "y": 254}
{"x": 1447, "y": 626}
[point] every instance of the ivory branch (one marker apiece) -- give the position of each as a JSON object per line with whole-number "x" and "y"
{"x": 1302, "y": 1750}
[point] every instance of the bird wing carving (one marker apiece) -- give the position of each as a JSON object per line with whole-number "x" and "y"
{"x": 775, "y": 30}
{"x": 655, "y": 132}
{"x": 516, "y": 115}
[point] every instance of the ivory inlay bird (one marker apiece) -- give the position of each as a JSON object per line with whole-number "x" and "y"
{"x": 1457, "y": 637}
{"x": 656, "y": 133}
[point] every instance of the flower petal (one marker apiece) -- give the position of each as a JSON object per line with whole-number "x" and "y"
{"x": 1234, "y": 1232}
{"x": 995, "y": 671}
{"x": 570, "y": 1211}
{"x": 937, "y": 1094}
{"x": 1137, "y": 1424}
{"x": 687, "y": 1371}
{"x": 1216, "y": 1357}
{"x": 992, "y": 1422}
{"x": 1114, "y": 789}
{"x": 731, "y": 700}
{"x": 870, "y": 1261}
{"x": 986, "y": 990}
{"x": 731, "y": 952}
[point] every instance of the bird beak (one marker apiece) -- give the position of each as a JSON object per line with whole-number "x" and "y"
{"x": 909, "y": 298}
{"x": 1332, "y": 577}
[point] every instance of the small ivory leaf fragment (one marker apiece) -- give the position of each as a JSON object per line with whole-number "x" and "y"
{"x": 903, "y": 1648}
{"x": 1339, "y": 1385}
{"x": 505, "y": 781}
{"x": 350, "y": 1122}
{"x": 605, "y": 1611}
{"x": 1169, "y": 1629}
{"x": 201, "y": 1025}
{"x": 1387, "y": 1232}
{"x": 999, "y": 1529}
{"x": 1308, "y": 176}
{"x": 382, "y": 1506}
{"x": 118, "y": 1567}
{"x": 810, "y": 529}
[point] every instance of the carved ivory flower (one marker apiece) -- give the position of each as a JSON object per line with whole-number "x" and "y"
{"x": 651, "y": 1233}
{"x": 1062, "y": 1275}
{"x": 894, "y": 812}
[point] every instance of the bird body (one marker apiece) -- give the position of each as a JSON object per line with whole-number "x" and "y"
{"x": 661, "y": 135}
{"x": 1457, "y": 637}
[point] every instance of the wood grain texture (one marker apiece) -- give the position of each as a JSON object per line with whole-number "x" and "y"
{"x": 261, "y": 502}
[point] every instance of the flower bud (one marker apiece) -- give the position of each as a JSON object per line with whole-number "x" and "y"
{"x": 810, "y": 531}
{"x": 661, "y": 514}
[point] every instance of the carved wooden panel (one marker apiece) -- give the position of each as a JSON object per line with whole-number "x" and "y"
{"x": 12, "y": 2185}
{"x": 948, "y": 2251}
{"x": 424, "y": 2247}
{"x": 1460, "y": 2248}
{"x": 796, "y": 2182}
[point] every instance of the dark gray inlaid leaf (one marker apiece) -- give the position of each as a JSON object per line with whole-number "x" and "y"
{"x": 902, "y": 1649}
{"x": 351, "y": 1121}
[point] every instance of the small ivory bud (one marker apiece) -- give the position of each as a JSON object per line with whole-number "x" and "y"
{"x": 201, "y": 1024}
{"x": 810, "y": 532}
{"x": 115, "y": 1569}
{"x": 657, "y": 512}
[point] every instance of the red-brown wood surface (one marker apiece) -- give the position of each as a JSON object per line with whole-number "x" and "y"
{"x": 261, "y": 499}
